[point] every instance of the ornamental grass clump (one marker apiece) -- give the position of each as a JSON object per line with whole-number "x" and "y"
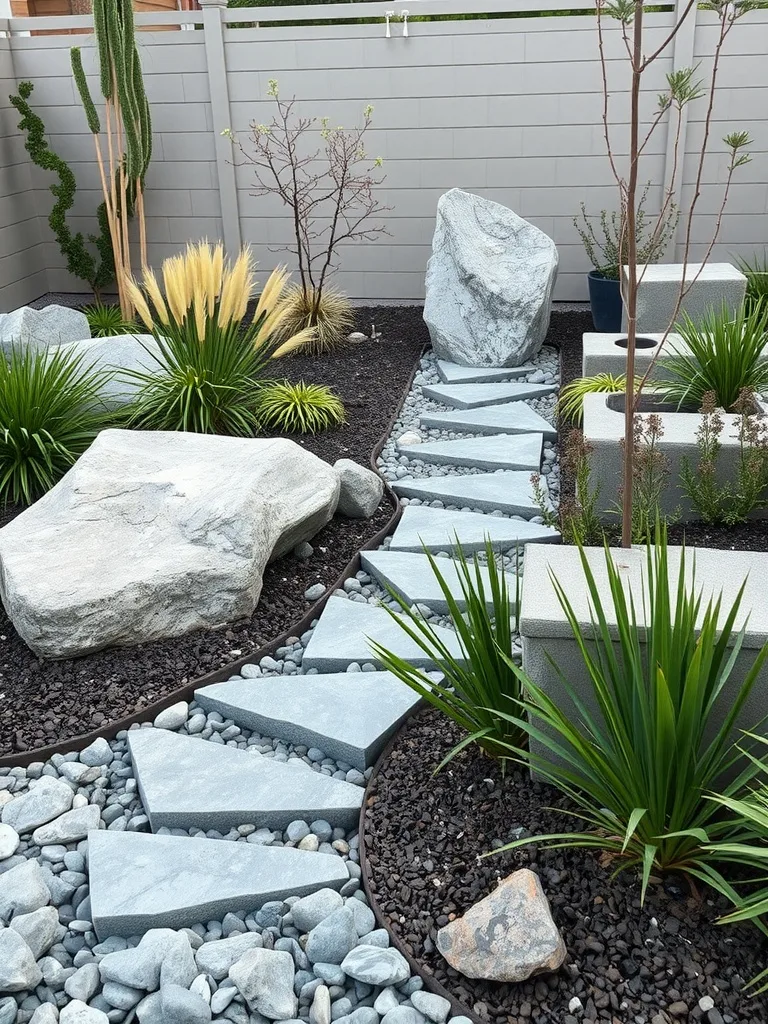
{"x": 50, "y": 412}
{"x": 476, "y": 689}
{"x": 641, "y": 753}
{"x": 211, "y": 359}
{"x": 107, "y": 321}
{"x": 299, "y": 408}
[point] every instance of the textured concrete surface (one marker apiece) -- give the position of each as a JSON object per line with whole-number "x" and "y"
{"x": 495, "y": 451}
{"x": 348, "y": 715}
{"x": 452, "y": 373}
{"x": 511, "y": 418}
{"x": 509, "y": 491}
{"x": 438, "y": 530}
{"x": 715, "y": 285}
{"x": 474, "y": 396}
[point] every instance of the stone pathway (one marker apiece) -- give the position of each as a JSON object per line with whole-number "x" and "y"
{"x": 206, "y": 867}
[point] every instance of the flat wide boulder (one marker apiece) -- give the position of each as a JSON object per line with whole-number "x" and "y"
{"x": 37, "y": 329}
{"x": 153, "y": 534}
{"x": 489, "y": 283}
{"x": 117, "y": 359}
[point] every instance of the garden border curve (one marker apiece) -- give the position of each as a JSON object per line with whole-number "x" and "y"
{"x": 430, "y": 982}
{"x": 185, "y": 692}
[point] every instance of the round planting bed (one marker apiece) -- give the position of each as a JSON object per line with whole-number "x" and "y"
{"x": 422, "y": 837}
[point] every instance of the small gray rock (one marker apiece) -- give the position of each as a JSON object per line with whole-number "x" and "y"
{"x": 9, "y": 841}
{"x": 121, "y": 996}
{"x": 309, "y": 911}
{"x": 365, "y": 922}
{"x": 434, "y": 1007}
{"x": 139, "y": 967}
{"x": 303, "y": 550}
{"x": 70, "y": 827}
{"x": 315, "y": 592}
{"x": 23, "y": 890}
{"x": 403, "y": 1015}
{"x": 97, "y": 754}
{"x": 296, "y": 831}
{"x": 44, "y": 1014}
{"x": 216, "y": 958}
{"x": 265, "y": 979}
{"x": 320, "y": 1010}
{"x": 84, "y": 983}
{"x": 8, "y": 1008}
{"x": 18, "y": 970}
{"x": 375, "y": 966}
{"x": 77, "y": 1012}
{"x": 361, "y": 489}
{"x": 173, "y": 717}
{"x": 47, "y": 800}
{"x": 38, "y": 929}
{"x": 180, "y": 1006}
{"x": 333, "y": 938}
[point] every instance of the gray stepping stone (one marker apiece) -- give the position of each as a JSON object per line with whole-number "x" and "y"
{"x": 348, "y": 715}
{"x": 473, "y": 396}
{"x": 140, "y": 881}
{"x": 495, "y": 451}
{"x": 452, "y": 373}
{"x": 512, "y": 418}
{"x": 345, "y": 632}
{"x": 437, "y": 529}
{"x": 186, "y": 782}
{"x": 509, "y": 491}
{"x": 412, "y": 577}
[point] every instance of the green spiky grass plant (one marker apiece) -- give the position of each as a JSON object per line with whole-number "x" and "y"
{"x": 211, "y": 360}
{"x": 296, "y": 407}
{"x": 474, "y": 691}
{"x": 107, "y": 321}
{"x": 50, "y": 412}
{"x": 571, "y": 398}
{"x": 640, "y": 755}
{"x": 722, "y": 354}
{"x": 756, "y": 273}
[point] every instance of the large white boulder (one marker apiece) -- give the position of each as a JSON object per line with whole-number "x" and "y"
{"x": 117, "y": 357}
{"x": 153, "y": 534}
{"x": 489, "y": 283}
{"x": 41, "y": 328}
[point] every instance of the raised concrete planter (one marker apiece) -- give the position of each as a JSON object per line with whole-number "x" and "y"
{"x": 604, "y": 429}
{"x": 657, "y": 293}
{"x": 607, "y": 353}
{"x": 546, "y": 634}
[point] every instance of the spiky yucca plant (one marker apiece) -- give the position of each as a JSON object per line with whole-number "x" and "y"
{"x": 107, "y": 321}
{"x": 300, "y": 408}
{"x": 329, "y": 313}
{"x": 210, "y": 359}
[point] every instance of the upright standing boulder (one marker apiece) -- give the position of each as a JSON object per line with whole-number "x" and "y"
{"x": 42, "y": 328}
{"x": 153, "y": 534}
{"x": 489, "y": 283}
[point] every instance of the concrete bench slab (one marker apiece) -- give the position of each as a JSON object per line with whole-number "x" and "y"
{"x": 511, "y": 418}
{"x": 437, "y": 530}
{"x": 186, "y": 782}
{"x": 474, "y": 396}
{"x": 509, "y": 491}
{"x": 453, "y": 373}
{"x": 412, "y": 577}
{"x": 494, "y": 451}
{"x": 140, "y": 881}
{"x": 345, "y": 632}
{"x": 348, "y": 715}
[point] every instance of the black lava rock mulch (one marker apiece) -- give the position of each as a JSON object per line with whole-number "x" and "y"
{"x": 46, "y": 702}
{"x": 626, "y": 964}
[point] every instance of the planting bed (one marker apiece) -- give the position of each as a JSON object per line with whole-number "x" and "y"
{"x": 45, "y": 702}
{"x": 626, "y": 964}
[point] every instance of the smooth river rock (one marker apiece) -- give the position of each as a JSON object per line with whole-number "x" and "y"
{"x": 175, "y": 528}
{"x": 489, "y": 283}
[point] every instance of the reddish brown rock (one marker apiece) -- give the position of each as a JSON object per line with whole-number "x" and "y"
{"x": 508, "y": 936}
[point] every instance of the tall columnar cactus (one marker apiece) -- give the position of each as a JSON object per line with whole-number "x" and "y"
{"x": 128, "y": 130}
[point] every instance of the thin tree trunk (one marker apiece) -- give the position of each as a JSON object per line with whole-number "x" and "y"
{"x": 631, "y": 197}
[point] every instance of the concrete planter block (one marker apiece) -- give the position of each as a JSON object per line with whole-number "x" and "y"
{"x": 603, "y": 353}
{"x": 657, "y": 293}
{"x": 546, "y": 634}
{"x": 604, "y": 429}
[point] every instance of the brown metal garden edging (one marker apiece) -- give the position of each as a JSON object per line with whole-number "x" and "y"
{"x": 430, "y": 982}
{"x": 185, "y": 692}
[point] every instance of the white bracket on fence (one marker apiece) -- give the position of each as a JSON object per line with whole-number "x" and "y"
{"x": 404, "y": 17}
{"x": 388, "y": 15}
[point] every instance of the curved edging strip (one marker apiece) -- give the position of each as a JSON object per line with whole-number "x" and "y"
{"x": 186, "y": 692}
{"x": 430, "y": 982}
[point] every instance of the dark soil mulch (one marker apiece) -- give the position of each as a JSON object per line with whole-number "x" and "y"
{"x": 626, "y": 963}
{"x": 45, "y": 702}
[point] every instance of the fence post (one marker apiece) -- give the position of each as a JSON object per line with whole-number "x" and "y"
{"x": 213, "y": 31}
{"x": 682, "y": 57}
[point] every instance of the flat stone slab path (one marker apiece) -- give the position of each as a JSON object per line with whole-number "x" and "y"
{"x": 412, "y": 577}
{"x": 511, "y": 418}
{"x": 509, "y": 491}
{"x": 345, "y": 632}
{"x": 140, "y": 881}
{"x": 348, "y": 715}
{"x": 494, "y": 451}
{"x": 186, "y": 782}
{"x": 438, "y": 530}
{"x": 452, "y": 373}
{"x": 475, "y": 396}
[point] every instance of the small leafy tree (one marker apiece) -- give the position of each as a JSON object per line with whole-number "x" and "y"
{"x": 330, "y": 192}
{"x": 80, "y": 260}
{"x": 682, "y": 89}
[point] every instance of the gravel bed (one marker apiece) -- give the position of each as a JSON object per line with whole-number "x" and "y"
{"x": 44, "y": 702}
{"x": 665, "y": 962}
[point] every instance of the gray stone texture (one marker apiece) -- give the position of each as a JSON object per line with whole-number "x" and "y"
{"x": 115, "y": 360}
{"x": 18, "y": 970}
{"x": 437, "y": 529}
{"x": 68, "y": 827}
{"x": 374, "y": 966}
{"x": 508, "y": 491}
{"x": 510, "y": 418}
{"x": 185, "y": 782}
{"x": 176, "y": 529}
{"x": 349, "y": 716}
{"x": 494, "y": 451}
{"x": 454, "y": 373}
{"x": 45, "y": 800}
{"x": 265, "y": 979}
{"x": 489, "y": 283}
{"x": 216, "y": 957}
{"x": 475, "y": 396}
{"x": 38, "y": 329}
{"x": 347, "y": 629}
{"x": 141, "y": 881}
{"x": 715, "y": 285}
{"x": 361, "y": 489}
{"x": 23, "y": 890}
